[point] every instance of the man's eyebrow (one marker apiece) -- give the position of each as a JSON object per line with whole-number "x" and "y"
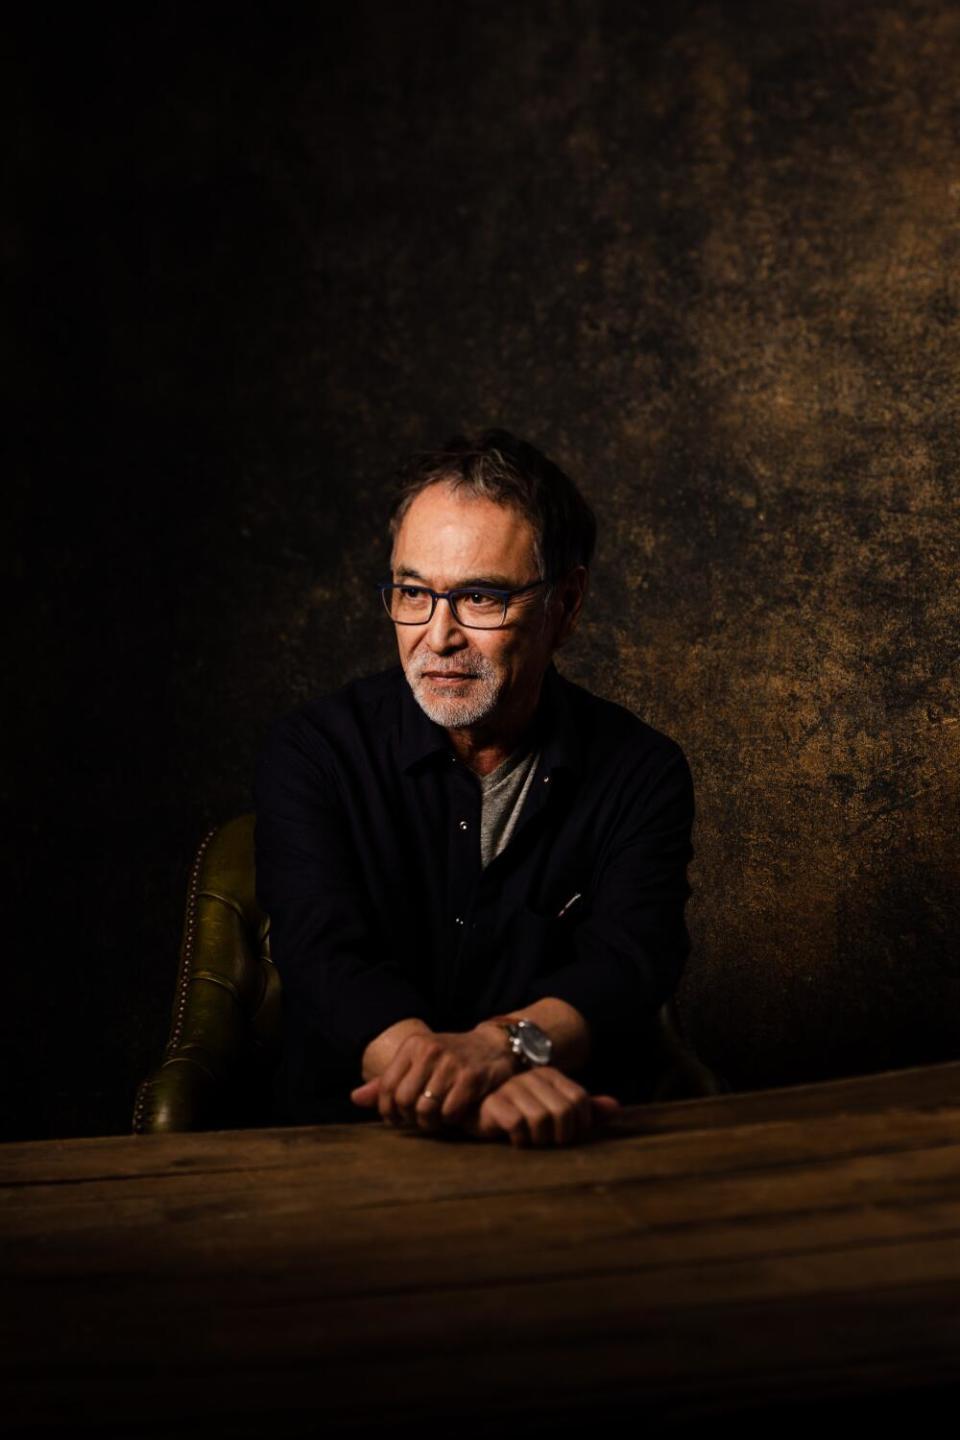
{"x": 489, "y": 582}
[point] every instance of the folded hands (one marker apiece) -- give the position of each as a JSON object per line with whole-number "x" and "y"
{"x": 469, "y": 1081}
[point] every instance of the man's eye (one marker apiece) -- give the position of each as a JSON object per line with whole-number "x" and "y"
{"x": 411, "y": 592}
{"x": 479, "y": 598}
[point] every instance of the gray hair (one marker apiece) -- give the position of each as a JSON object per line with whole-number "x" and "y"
{"x": 508, "y": 471}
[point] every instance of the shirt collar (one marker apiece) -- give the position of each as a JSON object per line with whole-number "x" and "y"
{"x": 556, "y": 732}
{"x": 561, "y": 742}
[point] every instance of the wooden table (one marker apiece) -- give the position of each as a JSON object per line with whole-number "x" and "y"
{"x": 704, "y": 1257}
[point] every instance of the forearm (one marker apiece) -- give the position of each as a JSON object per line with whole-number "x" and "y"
{"x": 565, "y": 1026}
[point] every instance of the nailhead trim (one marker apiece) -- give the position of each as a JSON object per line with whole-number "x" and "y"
{"x": 187, "y": 947}
{"x": 183, "y": 980}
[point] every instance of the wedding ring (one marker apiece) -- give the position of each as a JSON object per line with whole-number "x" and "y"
{"x": 429, "y": 1095}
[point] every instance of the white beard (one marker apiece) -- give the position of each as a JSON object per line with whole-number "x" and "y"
{"x": 456, "y": 712}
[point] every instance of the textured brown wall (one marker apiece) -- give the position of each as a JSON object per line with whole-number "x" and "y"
{"x": 705, "y": 254}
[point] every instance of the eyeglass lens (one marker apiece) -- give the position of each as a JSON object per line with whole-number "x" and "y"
{"x": 413, "y": 605}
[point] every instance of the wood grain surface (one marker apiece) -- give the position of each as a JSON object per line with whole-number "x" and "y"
{"x": 701, "y": 1258}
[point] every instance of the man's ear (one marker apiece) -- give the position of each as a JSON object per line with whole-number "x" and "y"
{"x": 569, "y": 594}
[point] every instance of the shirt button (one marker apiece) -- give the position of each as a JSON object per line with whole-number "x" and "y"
{"x": 546, "y": 779}
{"x": 457, "y": 920}
{"x": 463, "y": 825}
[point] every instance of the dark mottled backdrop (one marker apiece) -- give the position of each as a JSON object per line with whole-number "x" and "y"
{"x": 706, "y": 254}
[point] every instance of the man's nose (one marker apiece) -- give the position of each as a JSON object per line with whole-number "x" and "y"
{"x": 444, "y": 631}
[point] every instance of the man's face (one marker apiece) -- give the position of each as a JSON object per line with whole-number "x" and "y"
{"x": 459, "y": 676}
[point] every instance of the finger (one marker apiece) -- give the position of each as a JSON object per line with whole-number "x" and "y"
{"x": 577, "y": 1109}
{"x": 585, "y": 1118}
{"x": 487, "y": 1123}
{"x": 409, "y": 1088}
{"x": 426, "y": 1112}
{"x": 561, "y": 1109}
{"x": 367, "y": 1093}
{"x": 499, "y": 1118}
{"x": 538, "y": 1118}
{"x": 467, "y": 1089}
{"x": 431, "y": 1099}
{"x": 577, "y": 1112}
{"x": 393, "y": 1077}
{"x": 414, "y": 1082}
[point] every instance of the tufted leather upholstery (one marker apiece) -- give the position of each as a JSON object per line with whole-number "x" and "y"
{"x": 225, "y": 1030}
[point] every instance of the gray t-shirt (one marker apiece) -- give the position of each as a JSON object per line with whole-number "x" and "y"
{"x": 502, "y": 794}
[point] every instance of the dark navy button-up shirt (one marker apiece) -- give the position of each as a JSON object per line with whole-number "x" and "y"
{"x": 368, "y": 864}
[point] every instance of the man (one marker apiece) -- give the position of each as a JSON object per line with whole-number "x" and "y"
{"x": 475, "y": 871}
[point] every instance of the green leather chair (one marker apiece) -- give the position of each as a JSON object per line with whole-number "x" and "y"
{"x": 225, "y": 1031}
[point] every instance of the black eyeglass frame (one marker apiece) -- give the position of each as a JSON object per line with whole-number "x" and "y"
{"x": 504, "y": 596}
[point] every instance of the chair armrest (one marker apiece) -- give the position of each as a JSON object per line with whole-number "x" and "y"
{"x": 219, "y": 988}
{"x": 181, "y": 1094}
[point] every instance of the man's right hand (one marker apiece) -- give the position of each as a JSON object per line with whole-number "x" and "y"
{"x": 434, "y": 1080}
{"x": 541, "y": 1107}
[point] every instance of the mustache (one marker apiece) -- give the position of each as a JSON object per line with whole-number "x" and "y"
{"x": 427, "y": 664}
{"x": 438, "y": 670}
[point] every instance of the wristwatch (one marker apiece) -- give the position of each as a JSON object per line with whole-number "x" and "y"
{"x": 531, "y": 1045}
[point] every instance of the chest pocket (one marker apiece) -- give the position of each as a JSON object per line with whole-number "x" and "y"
{"x": 542, "y": 939}
{"x": 564, "y": 899}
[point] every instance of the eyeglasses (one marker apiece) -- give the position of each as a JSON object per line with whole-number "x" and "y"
{"x": 477, "y": 607}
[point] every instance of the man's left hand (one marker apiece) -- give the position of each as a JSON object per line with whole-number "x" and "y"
{"x": 434, "y": 1080}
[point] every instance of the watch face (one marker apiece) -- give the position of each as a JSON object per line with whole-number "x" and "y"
{"x": 537, "y": 1046}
